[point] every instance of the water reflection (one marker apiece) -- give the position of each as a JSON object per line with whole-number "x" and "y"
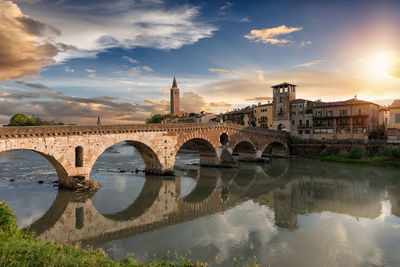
{"x": 289, "y": 191}
{"x": 295, "y": 212}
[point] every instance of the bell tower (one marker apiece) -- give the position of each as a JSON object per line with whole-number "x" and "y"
{"x": 175, "y": 105}
{"x": 282, "y": 93}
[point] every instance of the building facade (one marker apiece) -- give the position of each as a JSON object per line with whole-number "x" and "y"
{"x": 383, "y": 114}
{"x": 174, "y": 101}
{"x": 242, "y": 116}
{"x": 263, "y": 115}
{"x": 350, "y": 119}
{"x": 394, "y": 116}
{"x": 282, "y": 95}
{"x": 301, "y": 116}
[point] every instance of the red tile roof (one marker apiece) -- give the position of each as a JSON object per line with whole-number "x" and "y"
{"x": 395, "y": 104}
{"x": 352, "y": 101}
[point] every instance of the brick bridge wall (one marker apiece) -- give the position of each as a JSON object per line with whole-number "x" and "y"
{"x": 73, "y": 150}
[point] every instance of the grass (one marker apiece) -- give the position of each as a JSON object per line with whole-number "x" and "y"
{"x": 373, "y": 161}
{"x": 19, "y": 248}
{"x": 380, "y": 156}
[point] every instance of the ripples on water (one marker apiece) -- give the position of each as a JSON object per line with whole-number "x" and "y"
{"x": 289, "y": 213}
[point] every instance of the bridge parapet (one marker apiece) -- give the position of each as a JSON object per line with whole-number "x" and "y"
{"x": 67, "y": 130}
{"x": 73, "y": 149}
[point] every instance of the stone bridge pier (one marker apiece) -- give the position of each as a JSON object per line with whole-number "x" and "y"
{"x": 73, "y": 150}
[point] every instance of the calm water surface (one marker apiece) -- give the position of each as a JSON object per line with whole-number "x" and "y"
{"x": 287, "y": 213}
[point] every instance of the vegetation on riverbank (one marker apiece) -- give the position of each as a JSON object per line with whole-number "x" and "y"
{"x": 382, "y": 156}
{"x": 20, "y": 248}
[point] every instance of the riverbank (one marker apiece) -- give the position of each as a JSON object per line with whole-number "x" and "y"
{"x": 19, "y": 248}
{"x": 380, "y": 156}
{"x": 371, "y": 161}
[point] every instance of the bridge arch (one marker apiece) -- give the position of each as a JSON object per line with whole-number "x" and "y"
{"x": 62, "y": 174}
{"x": 149, "y": 156}
{"x": 245, "y": 148}
{"x": 206, "y": 183}
{"x": 244, "y": 177}
{"x": 149, "y": 193}
{"x": 275, "y": 147}
{"x": 207, "y": 152}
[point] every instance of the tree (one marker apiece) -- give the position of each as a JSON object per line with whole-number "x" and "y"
{"x": 157, "y": 118}
{"x": 379, "y": 133}
{"x": 21, "y": 119}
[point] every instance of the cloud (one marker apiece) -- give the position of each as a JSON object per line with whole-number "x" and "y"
{"x": 92, "y": 73}
{"x": 58, "y": 106}
{"x": 260, "y": 99}
{"x": 28, "y": 1}
{"x": 147, "y": 68}
{"x": 394, "y": 68}
{"x": 26, "y": 44}
{"x": 272, "y": 35}
{"x": 38, "y": 86}
{"x": 226, "y": 6}
{"x": 102, "y": 25}
{"x": 193, "y": 102}
{"x": 131, "y": 60}
{"x": 311, "y": 85}
{"x": 245, "y": 19}
{"x": 311, "y": 63}
{"x": 68, "y": 69}
{"x": 137, "y": 70}
{"x": 304, "y": 43}
{"x": 220, "y": 71}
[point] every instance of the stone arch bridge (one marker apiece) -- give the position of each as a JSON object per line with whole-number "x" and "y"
{"x": 73, "y": 150}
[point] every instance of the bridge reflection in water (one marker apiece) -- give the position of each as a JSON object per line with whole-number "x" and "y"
{"x": 289, "y": 188}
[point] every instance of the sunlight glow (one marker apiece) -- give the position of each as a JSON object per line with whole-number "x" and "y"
{"x": 379, "y": 64}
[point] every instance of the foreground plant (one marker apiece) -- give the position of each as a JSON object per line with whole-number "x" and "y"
{"x": 20, "y": 248}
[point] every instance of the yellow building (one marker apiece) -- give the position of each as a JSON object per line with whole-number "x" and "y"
{"x": 263, "y": 115}
{"x": 394, "y": 114}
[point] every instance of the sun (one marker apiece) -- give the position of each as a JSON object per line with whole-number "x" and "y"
{"x": 379, "y": 64}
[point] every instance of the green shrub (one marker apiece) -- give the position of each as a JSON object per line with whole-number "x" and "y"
{"x": 356, "y": 152}
{"x": 343, "y": 154}
{"x": 325, "y": 152}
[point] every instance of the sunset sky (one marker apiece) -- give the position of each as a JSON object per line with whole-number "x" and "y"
{"x": 72, "y": 61}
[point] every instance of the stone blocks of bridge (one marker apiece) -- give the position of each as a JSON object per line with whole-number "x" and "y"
{"x": 73, "y": 150}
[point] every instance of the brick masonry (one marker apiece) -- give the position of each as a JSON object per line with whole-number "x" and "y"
{"x": 157, "y": 143}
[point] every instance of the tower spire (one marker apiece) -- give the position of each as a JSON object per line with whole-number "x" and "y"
{"x": 174, "y": 84}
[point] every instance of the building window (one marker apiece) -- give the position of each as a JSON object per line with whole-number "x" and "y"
{"x": 359, "y": 111}
{"x": 343, "y": 112}
{"x": 300, "y": 123}
{"x": 307, "y": 123}
{"x": 292, "y": 122}
{"x": 397, "y": 118}
{"x": 359, "y": 130}
{"x": 300, "y": 131}
{"x": 307, "y": 131}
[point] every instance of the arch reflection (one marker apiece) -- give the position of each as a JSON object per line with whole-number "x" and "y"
{"x": 290, "y": 194}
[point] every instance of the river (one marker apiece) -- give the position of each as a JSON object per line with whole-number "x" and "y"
{"x": 290, "y": 212}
